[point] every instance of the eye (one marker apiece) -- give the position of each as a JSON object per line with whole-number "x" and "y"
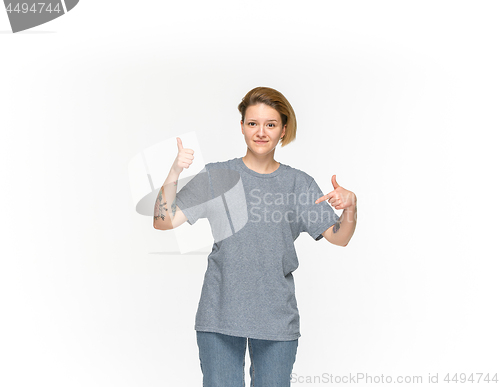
{"x": 272, "y": 125}
{"x": 251, "y": 123}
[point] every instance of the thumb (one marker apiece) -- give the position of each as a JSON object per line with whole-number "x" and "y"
{"x": 334, "y": 181}
{"x": 179, "y": 144}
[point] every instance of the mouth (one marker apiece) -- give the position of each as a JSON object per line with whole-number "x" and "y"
{"x": 261, "y": 142}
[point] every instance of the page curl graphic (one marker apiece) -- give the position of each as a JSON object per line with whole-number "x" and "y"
{"x": 148, "y": 171}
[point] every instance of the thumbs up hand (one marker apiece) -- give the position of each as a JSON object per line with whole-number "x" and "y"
{"x": 184, "y": 157}
{"x": 339, "y": 198}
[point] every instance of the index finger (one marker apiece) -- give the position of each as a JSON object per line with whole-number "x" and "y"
{"x": 322, "y": 199}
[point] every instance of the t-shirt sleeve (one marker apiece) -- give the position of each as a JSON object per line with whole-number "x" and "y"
{"x": 316, "y": 218}
{"x": 192, "y": 199}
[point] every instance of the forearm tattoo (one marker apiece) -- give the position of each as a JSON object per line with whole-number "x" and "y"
{"x": 161, "y": 207}
{"x": 336, "y": 227}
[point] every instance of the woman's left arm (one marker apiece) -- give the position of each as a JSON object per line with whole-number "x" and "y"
{"x": 341, "y": 232}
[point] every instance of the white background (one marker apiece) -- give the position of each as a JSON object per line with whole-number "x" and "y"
{"x": 399, "y": 99}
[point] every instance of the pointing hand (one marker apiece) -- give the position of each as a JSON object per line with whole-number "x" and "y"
{"x": 339, "y": 198}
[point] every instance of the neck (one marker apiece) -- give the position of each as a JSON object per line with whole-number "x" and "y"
{"x": 260, "y": 163}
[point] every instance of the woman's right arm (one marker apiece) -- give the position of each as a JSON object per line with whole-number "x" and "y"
{"x": 167, "y": 215}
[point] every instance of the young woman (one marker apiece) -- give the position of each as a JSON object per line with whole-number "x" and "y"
{"x": 256, "y": 207}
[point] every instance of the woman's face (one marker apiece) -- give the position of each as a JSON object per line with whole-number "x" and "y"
{"x": 262, "y": 128}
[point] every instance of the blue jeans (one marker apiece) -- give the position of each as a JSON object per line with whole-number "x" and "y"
{"x": 222, "y": 360}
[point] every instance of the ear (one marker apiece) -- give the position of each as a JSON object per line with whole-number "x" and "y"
{"x": 241, "y": 122}
{"x": 283, "y": 131}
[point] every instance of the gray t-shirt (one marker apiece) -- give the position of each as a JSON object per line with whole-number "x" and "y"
{"x": 248, "y": 289}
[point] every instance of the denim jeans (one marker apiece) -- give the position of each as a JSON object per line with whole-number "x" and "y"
{"x": 222, "y": 360}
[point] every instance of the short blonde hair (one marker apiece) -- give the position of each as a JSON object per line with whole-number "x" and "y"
{"x": 278, "y": 102}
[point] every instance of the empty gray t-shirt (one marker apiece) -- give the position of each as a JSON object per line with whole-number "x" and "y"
{"x": 248, "y": 289}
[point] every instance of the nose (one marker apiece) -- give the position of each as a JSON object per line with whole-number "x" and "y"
{"x": 260, "y": 132}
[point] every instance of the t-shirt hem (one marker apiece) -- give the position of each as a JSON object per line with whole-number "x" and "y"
{"x": 257, "y": 336}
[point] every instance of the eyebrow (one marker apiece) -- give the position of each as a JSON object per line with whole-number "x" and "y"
{"x": 254, "y": 119}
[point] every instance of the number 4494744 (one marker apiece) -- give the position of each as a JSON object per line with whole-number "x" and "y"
{"x": 476, "y": 377}
{"x": 25, "y": 8}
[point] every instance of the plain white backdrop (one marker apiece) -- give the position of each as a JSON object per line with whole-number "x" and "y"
{"x": 398, "y": 99}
